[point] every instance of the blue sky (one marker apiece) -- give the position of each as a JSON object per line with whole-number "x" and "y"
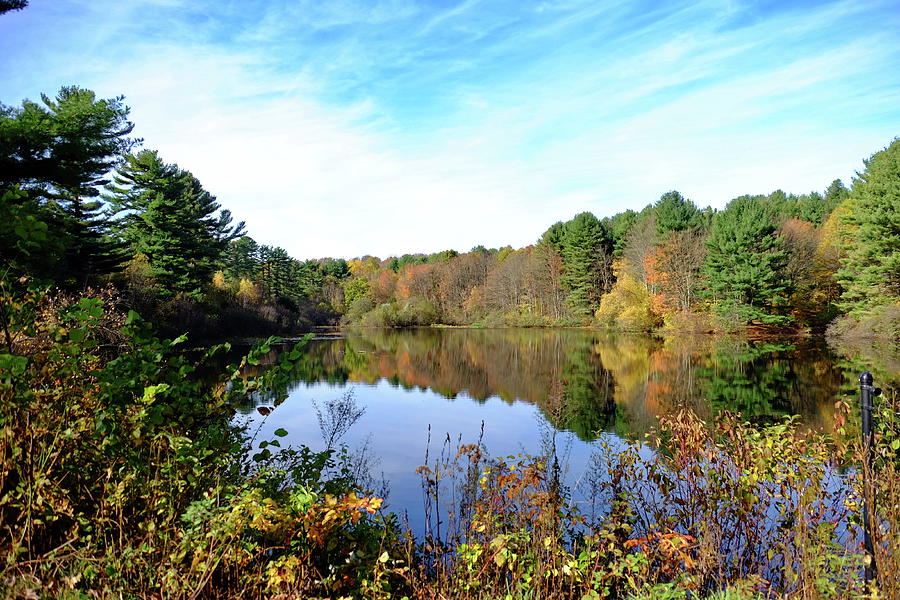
{"x": 345, "y": 127}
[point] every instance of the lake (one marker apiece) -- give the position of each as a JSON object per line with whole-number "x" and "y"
{"x": 539, "y": 391}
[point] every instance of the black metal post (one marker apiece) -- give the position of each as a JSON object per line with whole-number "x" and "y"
{"x": 866, "y": 392}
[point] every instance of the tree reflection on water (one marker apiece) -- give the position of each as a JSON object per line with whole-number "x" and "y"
{"x": 588, "y": 382}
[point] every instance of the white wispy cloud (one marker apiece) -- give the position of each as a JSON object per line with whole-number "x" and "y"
{"x": 345, "y": 128}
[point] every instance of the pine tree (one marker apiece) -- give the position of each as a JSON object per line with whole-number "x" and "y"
{"x": 167, "y": 215}
{"x": 242, "y": 258}
{"x": 834, "y": 195}
{"x": 584, "y": 243}
{"x": 870, "y": 273}
{"x": 745, "y": 265}
{"x": 674, "y": 212}
{"x": 9, "y": 5}
{"x": 619, "y": 226}
{"x": 59, "y": 152}
{"x": 276, "y": 274}
{"x": 92, "y": 250}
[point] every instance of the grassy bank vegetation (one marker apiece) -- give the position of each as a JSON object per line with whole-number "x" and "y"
{"x": 123, "y": 476}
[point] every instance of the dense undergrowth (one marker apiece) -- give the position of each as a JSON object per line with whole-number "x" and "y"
{"x": 123, "y": 475}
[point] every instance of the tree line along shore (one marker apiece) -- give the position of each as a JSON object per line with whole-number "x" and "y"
{"x": 84, "y": 205}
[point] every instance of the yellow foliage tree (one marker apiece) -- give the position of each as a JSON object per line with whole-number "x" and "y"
{"x": 364, "y": 267}
{"x": 218, "y": 281}
{"x": 627, "y": 306}
{"x": 248, "y": 293}
{"x": 834, "y": 236}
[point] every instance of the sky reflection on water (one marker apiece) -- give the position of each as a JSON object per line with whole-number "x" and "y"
{"x": 537, "y": 389}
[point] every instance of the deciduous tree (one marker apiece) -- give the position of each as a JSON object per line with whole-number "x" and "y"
{"x": 678, "y": 262}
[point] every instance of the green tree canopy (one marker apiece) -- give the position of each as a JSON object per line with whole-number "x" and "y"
{"x": 64, "y": 147}
{"x": 277, "y": 275}
{"x": 836, "y": 193}
{"x": 167, "y": 215}
{"x": 674, "y": 212}
{"x": 8, "y": 5}
{"x": 242, "y": 258}
{"x": 745, "y": 264}
{"x": 59, "y": 153}
{"x": 870, "y": 273}
{"x": 619, "y": 226}
{"x": 582, "y": 242}
{"x": 553, "y": 235}
{"x": 336, "y": 267}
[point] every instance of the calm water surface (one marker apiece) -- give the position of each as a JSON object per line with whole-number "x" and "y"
{"x": 533, "y": 391}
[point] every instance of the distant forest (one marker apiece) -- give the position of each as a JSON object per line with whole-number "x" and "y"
{"x": 82, "y": 206}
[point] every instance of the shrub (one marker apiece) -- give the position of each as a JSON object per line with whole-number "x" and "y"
{"x": 725, "y": 510}
{"x": 521, "y": 318}
{"x": 122, "y": 475}
{"x": 627, "y": 307}
{"x": 880, "y": 323}
{"x": 357, "y": 309}
{"x": 689, "y": 322}
{"x": 383, "y": 315}
{"x": 418, "y": 311}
